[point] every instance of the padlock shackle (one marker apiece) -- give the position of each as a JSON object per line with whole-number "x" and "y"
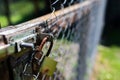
{"x": 46, "y": 39}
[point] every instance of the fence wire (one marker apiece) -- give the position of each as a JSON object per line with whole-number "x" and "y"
{"x": 73, "y": 46}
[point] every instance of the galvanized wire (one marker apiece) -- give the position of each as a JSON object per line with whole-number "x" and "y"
{"x": 71, "y": 46}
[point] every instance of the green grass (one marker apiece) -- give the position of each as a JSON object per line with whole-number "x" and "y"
{"x": 109, "y": 63}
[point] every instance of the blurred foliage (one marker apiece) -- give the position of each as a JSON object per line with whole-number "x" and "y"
{"x": 21, "y": 10}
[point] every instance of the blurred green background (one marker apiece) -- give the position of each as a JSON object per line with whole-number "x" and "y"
{"x": 18, "y": 11}
{"x": 107, "y": 63}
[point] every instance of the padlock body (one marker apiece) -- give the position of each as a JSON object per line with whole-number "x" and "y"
{"x": 48, "y": 66}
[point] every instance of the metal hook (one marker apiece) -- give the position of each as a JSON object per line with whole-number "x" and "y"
{"x": 63, "y": 4}
{"x": 70, "y": 2}
{"x": 52, "y": 13}
{"x": 53, "y": 8}
{"x": 54, "y": 2}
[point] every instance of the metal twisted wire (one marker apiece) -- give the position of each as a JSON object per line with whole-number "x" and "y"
{"x": 66, "y": 32}
{"x": 58, "y": 75}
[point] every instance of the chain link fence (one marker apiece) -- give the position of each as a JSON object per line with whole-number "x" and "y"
{"x": 75, "y": 43}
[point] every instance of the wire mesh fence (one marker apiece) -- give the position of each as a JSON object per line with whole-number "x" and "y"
{"x": 72, "y": 33}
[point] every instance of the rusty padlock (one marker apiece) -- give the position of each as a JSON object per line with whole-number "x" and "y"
{"x": 45, "y": 64}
